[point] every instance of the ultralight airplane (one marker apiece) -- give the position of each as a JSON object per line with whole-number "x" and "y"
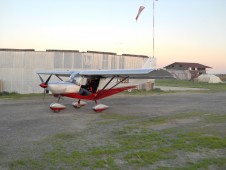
{"x": 94, "y": 84}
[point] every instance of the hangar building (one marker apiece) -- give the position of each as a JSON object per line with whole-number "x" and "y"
{"x": 18, "y": 66}
{"x": 186, "y": 71}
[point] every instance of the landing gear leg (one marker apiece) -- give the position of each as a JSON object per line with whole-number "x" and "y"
{"x": 78, "y": 104}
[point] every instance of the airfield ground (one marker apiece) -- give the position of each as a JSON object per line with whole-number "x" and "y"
{"x": 183, "y": 130}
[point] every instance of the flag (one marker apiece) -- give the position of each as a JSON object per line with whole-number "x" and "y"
{"x": 139, "y": 11}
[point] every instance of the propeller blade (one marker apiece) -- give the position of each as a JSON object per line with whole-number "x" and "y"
{"x": 48, "y": 79}
{"x": 44, "y": 85}
{"x": 41, "y": 79}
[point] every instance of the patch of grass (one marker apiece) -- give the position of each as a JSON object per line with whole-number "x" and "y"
{"x": 85, "y": 163}
{"x": 64, "y": 136}
{"x": 105, "y": 163}
{"x": 25, "y": 164}
{"x": 17, "y": 163}
{"x": 5, "y": 93}
{"x": 194, "y": 141}
{"x": 140, "y": 140}
{"x": 191, "y": 84}
{"x": 184, "y": 115}
{"x": 215, "y": 118}
{"x": 139, "y": 149}
{"x": 167, "y": 118}
{"x": 134, "y": 144}
{"x": 144, "y": 147}
{"x": 61, "y": 157}
{"x": 15, "y": 95}
{"x": 11, "y": 95}
{"x": 215, "y": 163}
{"x": 109, "y": 118}
{"x": 99, "y": 164}
{"x": 145, "y": 92}
{"x": 96, "y": 158}
{"x": 204, "y": 116}
{"x": 147, "y": 157}
{"x": 156, "y": 120}
{"x": 107, "y": 150}
{"x": 118, "y": 117}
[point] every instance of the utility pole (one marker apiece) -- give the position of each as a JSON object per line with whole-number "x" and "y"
{"x": 153, "y": 42}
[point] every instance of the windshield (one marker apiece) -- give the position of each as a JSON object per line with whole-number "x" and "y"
{"x": 76, "y": 79}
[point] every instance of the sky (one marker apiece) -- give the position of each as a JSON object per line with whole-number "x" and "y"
{"x": 185, "y": 30}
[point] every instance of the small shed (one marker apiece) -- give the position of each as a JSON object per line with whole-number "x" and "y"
{"x": 186, "y": 71}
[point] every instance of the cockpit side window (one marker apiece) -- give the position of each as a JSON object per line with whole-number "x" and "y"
{"x": 76, "y": 79}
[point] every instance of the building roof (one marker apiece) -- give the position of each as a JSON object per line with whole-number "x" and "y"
{"x": 102, "y": 52}
{"x": 133, "y": 55}
{"x": 188, "y": 65}
{"x": 15, "y": 49}
{"x": 56, "y": 50}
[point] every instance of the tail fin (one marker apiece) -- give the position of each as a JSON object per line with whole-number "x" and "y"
{"x": 150, "y": 63}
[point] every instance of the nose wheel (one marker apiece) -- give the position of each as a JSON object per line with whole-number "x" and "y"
{"x": 57, "y": 107}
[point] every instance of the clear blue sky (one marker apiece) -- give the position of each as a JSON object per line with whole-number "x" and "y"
{"x": 185, "y": 30}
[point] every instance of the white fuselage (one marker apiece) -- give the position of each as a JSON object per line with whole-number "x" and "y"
{"x": 61, "y": 87}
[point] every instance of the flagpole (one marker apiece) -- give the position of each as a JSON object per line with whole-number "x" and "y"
{"x": 153, "y": 43}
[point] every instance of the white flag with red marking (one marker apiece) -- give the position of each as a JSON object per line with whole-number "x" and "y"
{"x": 139, "y": 11}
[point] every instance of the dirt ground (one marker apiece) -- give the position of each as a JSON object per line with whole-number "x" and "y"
{"x": 26, "y": 123}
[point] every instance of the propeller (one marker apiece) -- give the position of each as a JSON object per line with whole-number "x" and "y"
{"x": 48, "y": 79}
{"x": 44, "y": 84}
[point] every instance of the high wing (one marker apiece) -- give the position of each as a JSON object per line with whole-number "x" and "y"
{"x": 130, "y": 73}
{"x": 66, "y": 73}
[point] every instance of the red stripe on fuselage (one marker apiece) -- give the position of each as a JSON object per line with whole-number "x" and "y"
{"x": 100, "y": 94}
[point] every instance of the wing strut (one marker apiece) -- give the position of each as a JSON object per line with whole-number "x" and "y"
{"x": 108, "y": 83}
{"x": 119, "y": 82}
{"x": 59, "y": 77}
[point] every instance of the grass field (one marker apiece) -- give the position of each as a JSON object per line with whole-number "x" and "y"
{"x": 180, "y": 141}
{"x": 153, "y": 143}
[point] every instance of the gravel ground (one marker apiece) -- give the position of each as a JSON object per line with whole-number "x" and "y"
{"x": 24, "y": 122}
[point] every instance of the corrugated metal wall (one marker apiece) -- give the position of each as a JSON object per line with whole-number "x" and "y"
{"x": 18, "y": 68}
